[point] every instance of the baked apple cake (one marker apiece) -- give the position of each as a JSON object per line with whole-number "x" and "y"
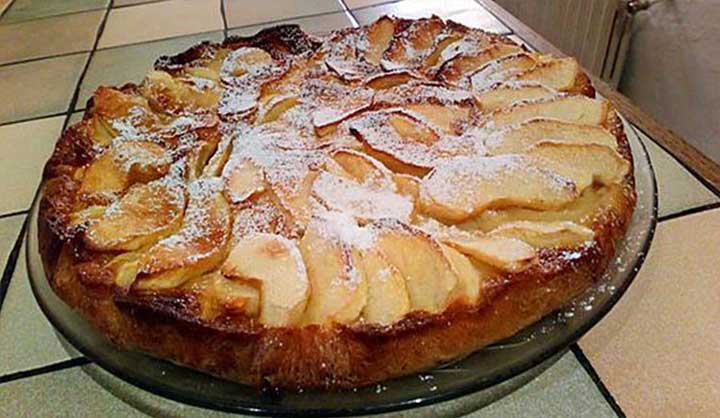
{"x": 329, "y": 211}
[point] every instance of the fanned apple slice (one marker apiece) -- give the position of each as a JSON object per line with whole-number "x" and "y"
{"x": 276, "y": 263}
{"x": 446, "y": 118}
{"x": 166, "y": 94}
{"x": 526, "y": 135}
{"x": 388, "y": 299}
{"x": 411, "y": 42}
{"x": 508, "y": 254}
{"x": 243, "y": 179}
{"x": 220, "y": 295}
{"x": 500, "y": 70}
{"x": 364, "y": 202}
{"x": 584, "y": 164}
{"x": 390, "y": 79}
{"x": 363, "y": 168}
{"x": 123, "y": 164}
{"x": 462, "y": 64}
{"x": 196, "y": 248}
{"x": 219, "y": 159}
{"x": 491, "y": 182}
{"x": 559, "y": 74}
{"x": 573, "y": 109}
{"x": 274, "y": 107}
{"x": 508, "y": 94}
{"x": 338, "y": 291}
{"x": 428, "y": 275}
{"x": 145, "y": 214}
{"x": 546, "y": 234}
{"x": 117, "y": 113}
{"x": 471, "y": 276}
{"x": 379, "y": 35}
{"x": 407, "y": 186}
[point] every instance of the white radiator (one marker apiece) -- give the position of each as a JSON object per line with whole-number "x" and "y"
{"x": 597, "y": 32}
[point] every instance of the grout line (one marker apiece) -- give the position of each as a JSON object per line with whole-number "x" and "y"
{"x": 590, "y": 370}
{"x": 349, "y": 14}
{"x": 124, "y": 6}
{"x": 31, "y": 119}
{"x": 285, "y": 19}
{"x": 76, "y": 94}
{"x": 7, "y": 7}
{"x": 44, "y": 57}
{"x": 16, "y": 213}
{"x": 76, "y": 12}
{"x": 690, "y": 211}
{"x": 11, "y": 263}
{"x": 697, "y": 176}
{"x": 54, "y": 367}
{"x": 224, "y": 18}
{"x": 107, "y": 48}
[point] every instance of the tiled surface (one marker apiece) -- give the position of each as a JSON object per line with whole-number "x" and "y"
{"x": 34, "y": 342}
{"x": 250, "y": 12}
{"x": 120, "y": 3}
{"x": 678, "y": 189}
{"x": 9, "y": 230}
{"x": 120, "y": 65}
{"x": 34, "y": 9}
{"x": 658, "y": 350}
{"x": 39, "y": 88}
{"x": 152, "y": 21}
{"x": 24, "y": 148}
{"x": 311, "y": 24}
{"x": 50, "y": 36}
{"x": 356, "y": 4}
{"x": 463, "y": 11}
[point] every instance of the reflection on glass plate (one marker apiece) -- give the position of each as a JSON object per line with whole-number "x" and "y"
{"x": 524, "y": 355}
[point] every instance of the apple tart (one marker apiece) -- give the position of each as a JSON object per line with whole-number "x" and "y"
{"x": 332, "y": 210}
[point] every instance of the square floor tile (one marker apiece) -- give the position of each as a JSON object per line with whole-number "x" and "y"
{"x": 39, "y": 88}
{"x": 120, "y": 3}
{"x": 146, "y": 22}
{"x": 24, "y": 148}
{"x": 34, "y": 9}
{"x": 356, "y": 4}
{"x": 29, "y": 341}
{"x": 50, "y": 36}
{"x": 9, "y": 231}
{"x": 120, "y": 65}
{"x": 251, "y": 12}
{"x": 466, "y": 12}
{"x": 678, "y": 189}
{"x": 313, "y": 24}
{"x": 657, "y": 351}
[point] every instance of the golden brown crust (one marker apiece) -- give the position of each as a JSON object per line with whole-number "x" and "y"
{"x": 310, "y": 356}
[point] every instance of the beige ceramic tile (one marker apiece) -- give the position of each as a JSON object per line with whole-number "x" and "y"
{"x": 33, "y": 342}
{"x": 121, "y": 3}
{"x": 24, "y": 148}
{"x": 357, "y": 4}
{"x": 120, "y": 65}
{"x": 39, "y": 88}
{"x": 9, "y": 230}
{"x": 658, "y": 349}
{"x": 23, "y": 10}
{"x": 51, "y": 36}
{"x": 678, "y": 189}
{"x": 166, "y": 19}
{"x": 251, "y": 12}
{"x": 466, "y": 12}
{"x": 311, "y": 24}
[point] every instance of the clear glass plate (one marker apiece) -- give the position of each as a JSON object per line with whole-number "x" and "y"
{"x": 492, "y": 366}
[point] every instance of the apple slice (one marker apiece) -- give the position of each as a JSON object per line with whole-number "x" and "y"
{"x": 379, "y": 35}
{"x": 447, "y": 118}
{"x": 559, "y": 73}
{"x": 508, "y": 94}
{"x": 584, "y": 164}
{"x": 505, "y": 253}
{"x": 491, "y": 182}
{"x": 276, "y": 263}
{"x": 462, "y": 64}
{"x": 362, "y": 168}
{"x": 275, "y": 106}
{"x": 428, "y": 275}
{"x": 145, "y": 214}
{"x": 338, "y": 291}
{"x": 526, "y": 135}
{"x": 574, "y": 109}
{"x": 196, "y": 248}
{"x": 412, "y": 41}
{"x": 220, "y": 295}
{"x": 546, "y": 234}
{"x": 388, "y": 300}
{"x": 166, "y": 94}
{"x": 471, "y": 276}
{"x": 500, "y": 70}
{"x": 386, "y": 80}
{"x": 243, "y": 179}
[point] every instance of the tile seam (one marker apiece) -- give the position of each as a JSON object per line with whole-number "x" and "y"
{"x": 15, "y": 213}
{"x": 77, "y": 12}
{"x": 595, "y": 377}
{"x": 224, "y": 18}
{"x": 44, "y": 57}
{"x": 267, "y": 22}
{"x": 689, "y": 211}
{"x": 349, "y": 14}
{"x": 32, "y": 118}
{"x": 49, "y": 368}
{"x": 11, "y": 263}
